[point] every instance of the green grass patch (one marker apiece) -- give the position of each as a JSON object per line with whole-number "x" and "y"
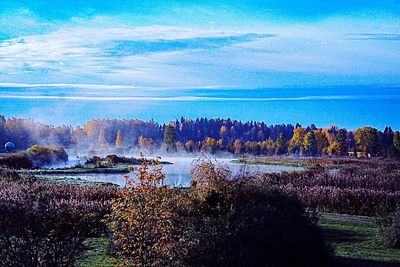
{"x": 357, "y": 238}
{"x": 120, "y": 168}
{"x": 253, "y": 161}
{"x": 97, "y": 254}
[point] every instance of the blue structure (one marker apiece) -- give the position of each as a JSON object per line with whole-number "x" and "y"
{"x": 9, "y": 147}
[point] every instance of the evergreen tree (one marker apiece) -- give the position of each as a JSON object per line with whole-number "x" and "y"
{"x": 341, "y": 142}
{"x": 170, "y": 138}
{"x": 281, "y": 145}
{"x": 396, "y": 141}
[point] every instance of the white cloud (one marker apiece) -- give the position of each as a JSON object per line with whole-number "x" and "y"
{"x": 196, "y": 57}
{"x": 198, "y": 98}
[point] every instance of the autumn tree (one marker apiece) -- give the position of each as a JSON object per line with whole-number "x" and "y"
{"x": 189, "y": 146}
{"x": 367, "y": 140}
{"x": 296, "y": 143}
{"x": 223, "y": 131}
{"x": 211, "y": 144}
{"x": 267, "y": 147}
{"x": 310, "y": 144}
{"x": 144, "y": 221}
{"x": 322, "y": 141}
{"x": 237, "y": 146}
{"x": 170, "y": 138}
{"x": 118, "y": 140}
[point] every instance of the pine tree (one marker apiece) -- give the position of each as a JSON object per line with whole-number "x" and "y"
{"x": 341, "y": 142}
{"x": 170, "y": 138}
{"x": 281, "y": 145}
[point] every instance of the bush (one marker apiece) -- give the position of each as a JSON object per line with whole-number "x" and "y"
{"x": 146, "y": 228}
{"x": 35, "y": 156}
{"x": 16, "y": 161}
{"x": 45, "y": 224}
{"x": 390, "y": 229}
{"x": 45, "y": 155}
{"x": 238, "y": 223}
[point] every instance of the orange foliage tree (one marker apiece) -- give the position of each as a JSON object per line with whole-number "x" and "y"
{"x": 145, "y": 221}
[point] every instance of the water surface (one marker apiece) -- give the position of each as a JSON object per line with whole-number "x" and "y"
{"x": 177, "y": 174}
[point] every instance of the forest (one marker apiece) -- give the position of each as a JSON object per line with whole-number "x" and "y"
{"x": 204, "y": 135}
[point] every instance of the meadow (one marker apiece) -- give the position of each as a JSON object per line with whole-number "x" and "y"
{"x": 352, "y": 201}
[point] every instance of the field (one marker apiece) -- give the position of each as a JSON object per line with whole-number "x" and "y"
{"x": 349, "y": 196}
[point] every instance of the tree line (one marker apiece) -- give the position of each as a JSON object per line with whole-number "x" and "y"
{"x": 202, "y": 134}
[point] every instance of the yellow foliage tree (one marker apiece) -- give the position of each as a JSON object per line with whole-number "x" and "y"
{"x": 296, "y": 143}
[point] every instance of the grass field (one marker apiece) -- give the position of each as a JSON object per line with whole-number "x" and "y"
{"x": 354, "y": 239}
{"x": 356, "y": 243}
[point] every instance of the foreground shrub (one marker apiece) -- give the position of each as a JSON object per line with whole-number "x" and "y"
{"x": 218, "y": 221}
{"x": 238, "y": 223}
{"x": 35, "y": 156}
{"x": 45, "y": 224}
{"x": 147, "y": 230}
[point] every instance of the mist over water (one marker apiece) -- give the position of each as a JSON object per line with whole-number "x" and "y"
{"x": 177, "y": 173}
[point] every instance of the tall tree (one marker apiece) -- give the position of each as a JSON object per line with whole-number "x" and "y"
{"x": 341, "y": 142}
{"x": 310, "y": 144}
{"x": 281, "y": 145}
{"x": 367, "y": 140}
{"x": 322, "y": 141}
{"x": 296, "y": 143}
{"x": 170, "y": 138}
{"x": 145, "y": 222}
{"x": 118, "y": 140}
{"x": 237, "y": 146}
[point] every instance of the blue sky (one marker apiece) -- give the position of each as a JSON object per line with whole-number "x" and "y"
{"x": 109, "y": 45}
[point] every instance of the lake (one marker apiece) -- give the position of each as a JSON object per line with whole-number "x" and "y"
{"x": 177, "y": 174}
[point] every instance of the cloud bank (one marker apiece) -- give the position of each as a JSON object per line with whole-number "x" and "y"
{"x": 165, "y": 44}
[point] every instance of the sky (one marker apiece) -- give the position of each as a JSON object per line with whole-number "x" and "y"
{"x": 73, "y": 55}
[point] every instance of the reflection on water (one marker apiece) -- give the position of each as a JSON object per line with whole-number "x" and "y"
{"x": 177, "y": 174}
